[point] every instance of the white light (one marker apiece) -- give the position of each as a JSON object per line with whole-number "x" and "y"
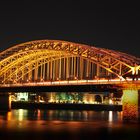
{"x": 110, "y": 116}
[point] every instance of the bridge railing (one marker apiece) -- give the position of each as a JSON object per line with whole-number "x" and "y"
{"x": 72, "y": 82}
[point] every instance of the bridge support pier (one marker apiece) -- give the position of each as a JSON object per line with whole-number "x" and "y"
{"x": 5, "y": 101}
{"x": 130, "y": 105}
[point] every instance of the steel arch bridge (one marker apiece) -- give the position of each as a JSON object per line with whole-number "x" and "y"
{"x": 52, "y": 60}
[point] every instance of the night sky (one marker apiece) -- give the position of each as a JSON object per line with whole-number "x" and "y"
{"x": 106, "y": 24}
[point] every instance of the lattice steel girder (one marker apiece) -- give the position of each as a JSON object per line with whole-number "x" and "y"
{"x": 115, "y": 62}
{"x": 28, "y": 59}
{"x": 32, "y": 63}
{"x": 28, "y": 56}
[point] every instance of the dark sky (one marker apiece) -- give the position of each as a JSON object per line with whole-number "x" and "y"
{"x": 107, "y": 24}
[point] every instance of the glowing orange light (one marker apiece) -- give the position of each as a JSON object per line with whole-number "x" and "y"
{"x": 130, "y": 104}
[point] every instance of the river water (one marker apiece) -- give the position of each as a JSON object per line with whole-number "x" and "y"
{"x": 65, "y": 124}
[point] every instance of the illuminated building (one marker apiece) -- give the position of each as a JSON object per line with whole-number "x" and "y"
{"x": 22, "y": 96}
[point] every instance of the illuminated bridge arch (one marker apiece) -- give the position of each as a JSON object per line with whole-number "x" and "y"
{"x": 46, "y": 60}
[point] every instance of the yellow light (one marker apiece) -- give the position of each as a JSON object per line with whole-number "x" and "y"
{"x": 10, "y": 101}
{"x": 20, "y": 118}
{"x": 110, "y": 101}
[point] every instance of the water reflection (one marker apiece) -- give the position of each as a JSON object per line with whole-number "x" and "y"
{"x": 56, "y": 120}
{"x": 62, "y": 115}
{"x": 69, "y": 123}
{"x": 110, "y": 117}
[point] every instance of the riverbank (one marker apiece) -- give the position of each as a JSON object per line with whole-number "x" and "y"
{"x": 31, "y": 105}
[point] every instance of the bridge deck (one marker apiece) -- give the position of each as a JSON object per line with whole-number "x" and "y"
{"x": 70, "y": 86}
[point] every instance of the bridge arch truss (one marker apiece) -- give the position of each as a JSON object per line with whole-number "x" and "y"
{"x": 46, "y": 60}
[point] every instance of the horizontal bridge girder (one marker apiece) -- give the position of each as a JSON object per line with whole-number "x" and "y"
{"x": 62, "y": 88}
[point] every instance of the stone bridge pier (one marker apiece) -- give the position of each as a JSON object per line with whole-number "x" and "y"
{"x": 130, "y": 103}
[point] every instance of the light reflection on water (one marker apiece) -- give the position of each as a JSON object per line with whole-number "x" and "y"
{"x": 63, "y": 115}
{"x": 65, "y": 124}
{"x": 110, "y": 116}
{"x": 22, "y": 118}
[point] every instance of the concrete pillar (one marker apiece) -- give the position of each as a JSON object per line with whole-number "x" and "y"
{"x": 5, "y": 101}
{"x": 130, "y": 105}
